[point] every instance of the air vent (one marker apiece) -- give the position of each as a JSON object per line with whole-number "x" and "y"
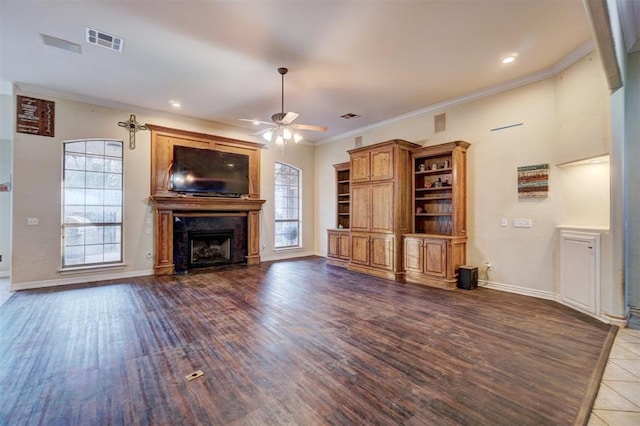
{"x": 440, "y": 123}
{"x": 60, "y": 43}
{"x": 100, "y": 38}
{"x": 349, "y": 116}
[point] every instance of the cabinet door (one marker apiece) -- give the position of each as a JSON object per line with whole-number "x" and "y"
{"x": 382, "y": 207}
{"x": 345, "y": 247}
{"x": 579, "y": 271}
{"x": 360, "y": 207}
{"x": 435, "y": 257}
{"x": 333, "y": 249}
{"x": 360, "y": 167}
{"x": 382, "y": 251}
{"x": 360, "y": 249}
{"x": 413, "y": 254}
{"x": 382, "y": 163}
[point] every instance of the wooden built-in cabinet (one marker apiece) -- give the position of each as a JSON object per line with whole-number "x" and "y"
{"x": 380, "y": 207}
{"x": 436, "y": 247}
{"x": 339, "y": 247}
{"x": 343, "y": 195}
{"x": 338, "y": 240}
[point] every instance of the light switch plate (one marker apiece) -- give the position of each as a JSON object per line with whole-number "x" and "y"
{"x": 522, "y": 223}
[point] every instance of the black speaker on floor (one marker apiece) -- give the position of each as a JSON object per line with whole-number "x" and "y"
{"x": 467, "y": 277}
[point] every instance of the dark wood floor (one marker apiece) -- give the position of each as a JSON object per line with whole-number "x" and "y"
{"x": 295, "y": 342}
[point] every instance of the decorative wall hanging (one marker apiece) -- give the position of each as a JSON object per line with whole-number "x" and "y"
{"x": 133, "y": 127}
{"x": 35, "y": 116}
{"x": 533, "y": 181}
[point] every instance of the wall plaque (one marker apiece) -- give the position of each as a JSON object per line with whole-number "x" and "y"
{"x": 35, "y": 116}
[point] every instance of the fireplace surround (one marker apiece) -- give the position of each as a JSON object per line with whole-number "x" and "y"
{"x": 209, "y": 241}
{"x": 172, "y": 211}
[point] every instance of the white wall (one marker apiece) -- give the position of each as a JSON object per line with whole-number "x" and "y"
{"x": 564, "y": 118}
{"x": 302, "y": 157}
{"x": 37, "y": 182}
{"x": 6, "y": 142}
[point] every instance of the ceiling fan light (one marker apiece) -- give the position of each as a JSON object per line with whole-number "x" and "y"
{"x": 286, "y": 133}
{"x": 279, "y": 140}
{"x": 297, "y": 137}
{"x": 267, "y": 135}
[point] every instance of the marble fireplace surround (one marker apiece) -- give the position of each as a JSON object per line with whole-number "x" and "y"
{"x": 207, "y": 241}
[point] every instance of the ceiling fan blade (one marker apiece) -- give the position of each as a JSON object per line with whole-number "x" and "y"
{"x": 289, "y": 117}
{"x": 310, "y": 127}
{"x": 255, "y": 121}
{"x": 259, "y": 132}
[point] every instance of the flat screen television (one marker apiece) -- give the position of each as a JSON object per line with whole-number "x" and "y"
{"x": 209, "y": 172}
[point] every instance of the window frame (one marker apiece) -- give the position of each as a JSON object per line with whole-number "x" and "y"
{"x": 81, "y": 221}
{"x": 298, "y": 208}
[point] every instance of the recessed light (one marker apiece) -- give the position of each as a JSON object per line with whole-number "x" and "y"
{"x": 509, "y": 59}
{"x": 175, "y": 104}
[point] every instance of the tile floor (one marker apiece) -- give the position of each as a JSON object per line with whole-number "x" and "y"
{"x": 618, "y": 400}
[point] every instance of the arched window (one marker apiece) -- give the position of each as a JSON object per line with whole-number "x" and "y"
{"x": 92, "y": 203}
{"x": 287, "y": 206}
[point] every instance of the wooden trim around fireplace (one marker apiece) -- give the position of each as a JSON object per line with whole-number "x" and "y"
{"x": 169, "y": 204}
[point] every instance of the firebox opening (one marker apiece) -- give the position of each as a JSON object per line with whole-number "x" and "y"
{"x": 208, "y": 248}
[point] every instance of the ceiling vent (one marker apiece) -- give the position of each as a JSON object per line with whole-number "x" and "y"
{"x": 100, "y": 38}
{"x": 349, "y": 116}
{"x": 60, "y": 43}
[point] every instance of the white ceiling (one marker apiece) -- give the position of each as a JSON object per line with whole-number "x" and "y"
{"x": 378, "y": 59}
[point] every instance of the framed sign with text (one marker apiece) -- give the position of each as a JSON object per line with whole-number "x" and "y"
{"x": 35, "y": 116}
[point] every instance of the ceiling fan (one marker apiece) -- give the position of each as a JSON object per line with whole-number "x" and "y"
{"x": 282, "y": 128}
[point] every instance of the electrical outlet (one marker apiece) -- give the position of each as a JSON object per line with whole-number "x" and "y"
{"x": 488, "y": 265}
{"x": 31, "y": 221}
{"x": 504, "y": 222}
{"x": 149, "y": 255}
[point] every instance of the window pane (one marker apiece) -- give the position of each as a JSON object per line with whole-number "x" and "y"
{"x": 74, "y": 178}
{"x": 95, "y": 164}
{"x": 94, "y": 214}
{"x": 112, "y": 215}
{"x": 95, "y": 147}
{"x": 74, "y": 196}
{"x": 95, "y": 197}
{"x": 74, "y": 162}
{"x": 95, "y": 180}
{"x": 113, "y": 181}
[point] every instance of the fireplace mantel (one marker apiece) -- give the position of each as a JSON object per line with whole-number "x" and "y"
{"x": 209, "y": 204}
{"x": 167, "y": 207}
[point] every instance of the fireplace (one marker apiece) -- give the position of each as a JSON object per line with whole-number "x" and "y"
{"x": 210, "y": 248}
{"x": 209, "y": 241}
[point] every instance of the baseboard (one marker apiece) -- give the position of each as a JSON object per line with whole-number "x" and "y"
{"x": 540, "y": 294}
{"x": 80, "y": 280}
{"x": 284, "y": 255}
